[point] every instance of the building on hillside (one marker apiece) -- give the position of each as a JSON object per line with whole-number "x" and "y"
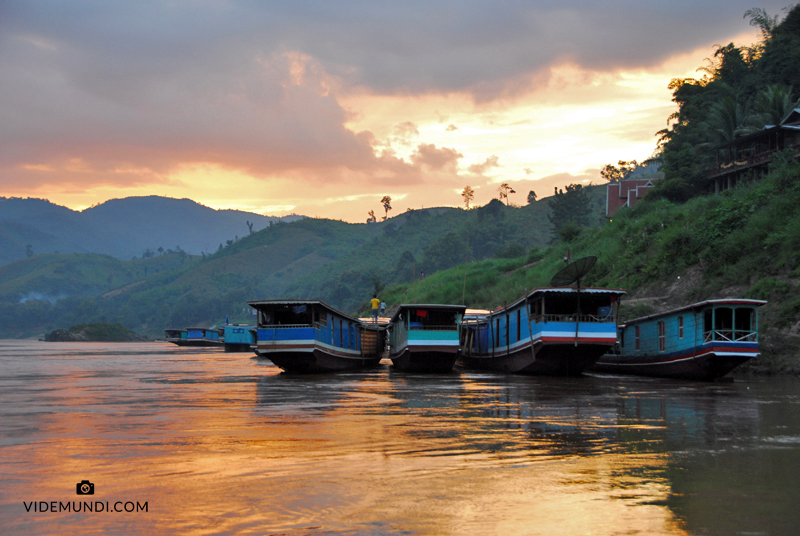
{"x": 625, "y": 193}
{"x": 749, "y": 156}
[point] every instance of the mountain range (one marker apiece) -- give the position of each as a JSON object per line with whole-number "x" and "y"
{"x": 123, "y": 228}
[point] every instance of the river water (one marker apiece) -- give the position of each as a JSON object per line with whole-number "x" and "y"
{"x": 216, "y": 443}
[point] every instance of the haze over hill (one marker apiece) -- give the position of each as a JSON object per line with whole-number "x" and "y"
{"x": 122, "y": 228}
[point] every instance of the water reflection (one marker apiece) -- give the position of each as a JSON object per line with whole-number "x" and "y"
{"x": 224, "y": 443}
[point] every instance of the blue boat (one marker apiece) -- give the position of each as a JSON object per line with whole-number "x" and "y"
{"x": 238, "y": 337}
{"x": 306, "y": 336}
{"x": 203, "y": 337}
{"x": 424, "y": 338}
{"x": 548, "y": 331}
{"x": 702, "y": 341}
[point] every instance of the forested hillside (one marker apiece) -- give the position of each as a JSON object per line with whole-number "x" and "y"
{"x": 338, "y": 262}
{"x": 742, "y": 90}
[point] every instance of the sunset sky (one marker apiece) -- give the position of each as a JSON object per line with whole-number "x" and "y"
{"x": 322, "y": 108}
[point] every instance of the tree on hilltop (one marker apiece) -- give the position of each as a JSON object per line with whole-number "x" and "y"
{"x": 572, "y": 206}
{"x": 468, "y": 194}
{"x": 505, "y": 189}
{"x": 613, "y": 173}
{"x": 387, "y": 206}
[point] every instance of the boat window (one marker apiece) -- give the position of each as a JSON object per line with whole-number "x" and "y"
{"x": 744, "y": 323}
{"x": 536, "y": 308}
{"x": 723, "y": 323}
{"x": 662, "y": 336}
{"x": 680, "y": 327}
{"x": 286, "y": 315}
{"x": 341, "y": 339}
{"x": 636, "y": 337}
{"x": 519, "y": 322}
{"x": 433, "y": 319}
{"x": 497, "y": 333}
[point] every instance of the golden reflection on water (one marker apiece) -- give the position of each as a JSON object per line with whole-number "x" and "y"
{"x": 221, "y": 443}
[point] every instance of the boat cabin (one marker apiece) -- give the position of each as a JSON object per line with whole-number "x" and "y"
{"x": 711, "y": 321}
{"x": 307, "y": 320}
{"x": 428, "y": 317}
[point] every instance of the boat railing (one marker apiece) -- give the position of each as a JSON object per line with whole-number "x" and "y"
{"x": 447, "y": 327}
{"x": 573, "y": 317}
{"x": 285, "y": 326}
{"x": 730, "y": 335}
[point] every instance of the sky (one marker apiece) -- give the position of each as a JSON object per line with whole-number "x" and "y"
{"x": 323, "y": 108}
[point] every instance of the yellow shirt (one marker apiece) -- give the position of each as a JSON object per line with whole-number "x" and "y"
{"x": 376, "y": 303}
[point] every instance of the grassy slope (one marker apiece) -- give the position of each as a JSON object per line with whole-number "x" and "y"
{"x": 743, "y": 243}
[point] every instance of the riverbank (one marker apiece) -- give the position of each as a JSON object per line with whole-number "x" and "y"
{"x": 95, "y": 333}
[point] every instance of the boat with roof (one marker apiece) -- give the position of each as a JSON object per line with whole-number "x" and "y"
{"x": 701, "y": 341}
{"x": 424, "y": 337}
{"x": 550, "y": 331}
{"x": 309, "y": 336}
{"x": 195, "y": 337}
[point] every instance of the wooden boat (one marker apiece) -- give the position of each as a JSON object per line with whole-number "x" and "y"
{"x": 424, "y": 338}
{"x": 702, "y": 341}
{"x": 305, "y": 336}
{"x": 550, "y": 331}
{"x": 238, "y": 337}
{"x": 202, "y": 337}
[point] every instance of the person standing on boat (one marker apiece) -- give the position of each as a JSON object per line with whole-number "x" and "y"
{"x": 376, "y": 306}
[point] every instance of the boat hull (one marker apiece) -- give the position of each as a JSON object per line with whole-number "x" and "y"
{"x": 708, "y": 362}
{"x": 197, "y": 343}
{"x": 550, "y": 359}
{"x": 238, "y": 347}
{"x": 315, "y": 360}
{"x": 425, "y": 359}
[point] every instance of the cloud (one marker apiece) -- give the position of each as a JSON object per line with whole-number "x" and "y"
{"x": 404, "y": 133}
{"x": 436, "y": 159}
{"x": 121, "y": 95}
{"x": 480, "y": 169}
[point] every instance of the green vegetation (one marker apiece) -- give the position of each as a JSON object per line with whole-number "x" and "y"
{"x": 743, "y": 89}
{"x": 340, "y": 263}
{"x": 742, "y": 243}
{"x": 677, "y": 246}
{"x": 94, "y": 333}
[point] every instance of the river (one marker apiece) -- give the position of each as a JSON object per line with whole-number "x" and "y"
{"x": 214, "y": 443}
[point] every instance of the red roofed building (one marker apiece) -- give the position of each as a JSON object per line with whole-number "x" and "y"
{"x": 625, "y": 193}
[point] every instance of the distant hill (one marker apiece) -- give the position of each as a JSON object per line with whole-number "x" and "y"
{"x": 122, "y": 228}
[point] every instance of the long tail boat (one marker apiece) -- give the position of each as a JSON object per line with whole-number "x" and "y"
{"x": 550, "y": 331}
{"x": 308, "y": 336}
{"x": 701, "y": 341}
{"x": 424, "y": 338}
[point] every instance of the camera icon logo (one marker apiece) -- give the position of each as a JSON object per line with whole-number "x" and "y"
{"x": 84, "y": 487}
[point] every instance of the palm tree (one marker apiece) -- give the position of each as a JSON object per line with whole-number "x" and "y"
{"x": 773, "y": 104}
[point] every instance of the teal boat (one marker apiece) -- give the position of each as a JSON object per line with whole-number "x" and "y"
{"x": 424, "y": 337}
